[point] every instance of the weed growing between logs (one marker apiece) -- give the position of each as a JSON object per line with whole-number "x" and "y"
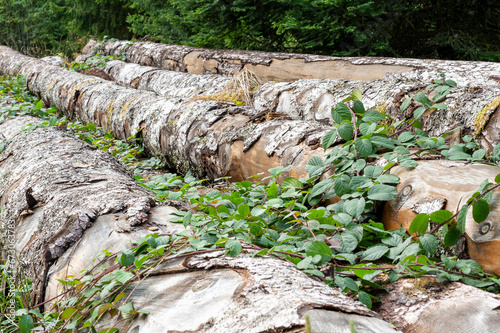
{"x": 341, "y": 243}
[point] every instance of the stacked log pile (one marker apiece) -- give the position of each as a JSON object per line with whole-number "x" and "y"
{"x": 85, "y": 193}
{"x": 210, "y": 138}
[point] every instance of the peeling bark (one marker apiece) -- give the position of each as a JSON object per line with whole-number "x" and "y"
{"x": 53, "y": 186}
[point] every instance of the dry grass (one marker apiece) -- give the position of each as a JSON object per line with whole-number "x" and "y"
{"x": 238, "y": 90}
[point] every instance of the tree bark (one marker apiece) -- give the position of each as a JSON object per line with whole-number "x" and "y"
{"x": 52, "y": 187}
{"x": 426, "y": 305}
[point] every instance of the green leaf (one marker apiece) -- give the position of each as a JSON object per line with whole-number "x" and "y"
{"x": 38, "y": 105}
{"x": 342, "y": 185}
{"x": 346, "y": 131}
{"x": 405, "y": 104}
{"x": 496, "y": 150}
{"x": 461, "y": 218}
{"x": 291, "y": 182}
{"x": 329, "y": 138}
{"x": 186, "y": 220}
{"x": 497, "y": 178}
{"x": 455, "y": 155}
{"x": 272, "y": 191}
{"x": 127, "y": 258}
{"x": 356, "y": 95}
{"x": 480, "y": 210}
{"x": 401, "y": 150}
{"x": 304, "y": 263}
{"x": 420, "y": 97}
{"x": 388, "y": 179}
{"x": 123, "y": 276}
{"x": 258, "y": 210}
{"x": 410, "y": 164}
{"x": 420, "y": 224}
{"x": 359, "y": 165}
{"x": 375, "y": 252}
{"x": 319, "y": 248}
{"x": 406, "y": 136}
{"x": 479, "y": 154}
{"x": 382, "y": 192}
{"x": 340, "y": 113}
{"x": 68, "y": 313}
{"x": 439, "y": 106}
{"x": 383, "y": 141}
{"x": 244, "y": 209}
{"x": 451, "y": 83}
{"x": 441, "y": 216}
{"x": 373, "y": 116}
{"x": 233, "y": 247}
{"x": 364, "y": 147}
{"x": 373, "y": 171}
{"x": 358, "y": 107}
{"x": 321, "y": 187}
{"x": 365, "y": 299}
{"x": 476, "y": 283}
{"x": 419, "y": 112}
{"x": 429, "y": 243}
{"x": 26, "y": 324}
{"x": 452, "y": 236}
{"x": 360, "y": 208}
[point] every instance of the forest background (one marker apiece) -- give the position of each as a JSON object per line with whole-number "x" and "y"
{"x": 442, "y": 29}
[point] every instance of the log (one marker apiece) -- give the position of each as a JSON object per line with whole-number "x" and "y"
{"x": 209, "y": 138}
{"x": 440, "y": 184}
{"x": 473, "y": 104}
{"x": 53, "y": 186}
{"x": 276, "y": 66}
{"x": 66, "y": 201}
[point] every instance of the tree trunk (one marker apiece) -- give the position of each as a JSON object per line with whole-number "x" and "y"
{"x": 52, "y": 187}
{"x": 426, "y": 305}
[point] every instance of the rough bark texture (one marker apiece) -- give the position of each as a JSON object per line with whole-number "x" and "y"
{"x": 52, "y": 187}
{"x": 207, "y": 137}
{"x": 474, "y": 104}
{"x": 276, "y": 66}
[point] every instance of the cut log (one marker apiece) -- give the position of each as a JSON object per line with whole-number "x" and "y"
{"x": 277, "y": 66}
{"x": 207, "y": 137}
{"x": 53, "y": 186}
{"x": 436, "y": 185}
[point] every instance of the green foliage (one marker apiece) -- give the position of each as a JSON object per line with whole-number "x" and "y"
{"x": 445, "y": 29}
